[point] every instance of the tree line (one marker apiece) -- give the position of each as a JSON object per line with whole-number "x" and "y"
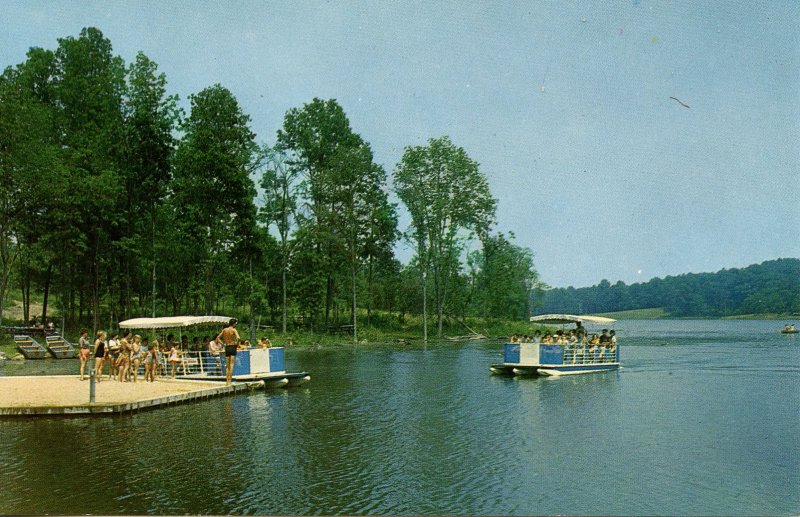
{"x": 772, "y": 287}
{"x": 116, "y": 203}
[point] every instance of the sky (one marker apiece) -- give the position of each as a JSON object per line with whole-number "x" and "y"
{"x": 623, "y": 140}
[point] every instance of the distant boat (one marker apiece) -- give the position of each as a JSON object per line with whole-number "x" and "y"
{"x": 789, "y": 329}
{"x": 572, "y": 358}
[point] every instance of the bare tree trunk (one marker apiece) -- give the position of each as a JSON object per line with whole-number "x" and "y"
{"x": 283, "y": 317}
{"x": 46, "y": 293}
{"x": 154, "y": 261}
{"x": 353, "y": 308}
{"x": 424, "y": 304}
{"x": 369, "y": 291}
{"x": 252, "y": 310}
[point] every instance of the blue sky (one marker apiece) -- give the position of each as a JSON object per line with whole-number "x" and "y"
{"x": 565, "y": 105}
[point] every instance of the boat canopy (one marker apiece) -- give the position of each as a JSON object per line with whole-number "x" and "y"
{"x": 172, "y": 322}
{"x": 561, "y": 319}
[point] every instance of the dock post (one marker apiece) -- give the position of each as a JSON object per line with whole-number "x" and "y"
{"x": 91, "y": 382}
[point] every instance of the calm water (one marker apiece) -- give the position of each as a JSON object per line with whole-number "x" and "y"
{"x": 703, "y": 419}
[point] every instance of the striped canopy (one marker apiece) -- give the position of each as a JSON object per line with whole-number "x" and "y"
{"x": 561, "y": 319}
{"x": 173, "y": 322}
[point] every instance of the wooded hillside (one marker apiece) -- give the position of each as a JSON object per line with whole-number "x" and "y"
{"x": 772, "y": 287}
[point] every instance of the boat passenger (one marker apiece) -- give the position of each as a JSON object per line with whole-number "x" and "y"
{"x": 537, "y": 336}
{"x": 595, "y": 340}
{"x": 185, "y": 343}
{"x": 604, "y": 337}
{"x": 265, "y": 342}
{"x": 84, "y": 350}
{"x": 215, "y": 348}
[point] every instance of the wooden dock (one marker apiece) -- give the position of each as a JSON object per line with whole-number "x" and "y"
{"x": 68, "y": 395}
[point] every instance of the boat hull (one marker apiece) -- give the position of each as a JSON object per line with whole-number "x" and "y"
{"x": 551, "y": 370}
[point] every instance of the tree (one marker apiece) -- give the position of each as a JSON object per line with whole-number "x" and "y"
{"x": 212, "y": 189}
{"x": 30, "y": 174}
{"x": 316, "y": 138}
{"x": 279, "y": 209}
{"x": 446, "y": 195}
{"x": 150, "y": 119}
{"x": 504, "y": 278}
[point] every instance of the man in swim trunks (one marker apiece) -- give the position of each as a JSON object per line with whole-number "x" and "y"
{"x": 229, "y": 337}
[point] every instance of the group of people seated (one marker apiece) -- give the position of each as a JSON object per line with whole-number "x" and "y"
{"x": 573, "y": 338}
{"x": 124, "y": 355}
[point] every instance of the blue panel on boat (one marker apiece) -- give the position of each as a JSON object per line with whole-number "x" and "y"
{"x": 276, "y": 363}
{"x": 242, "y": 364}
{"x": 511, "y": 353}
{"x": 551, "y": 354}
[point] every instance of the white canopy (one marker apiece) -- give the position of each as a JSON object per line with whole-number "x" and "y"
{"x": 560, "y": 319}
{"x": 172, "y": 322}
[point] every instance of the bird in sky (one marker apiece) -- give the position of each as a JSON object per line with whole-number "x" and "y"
{"x": 680, "y": 102}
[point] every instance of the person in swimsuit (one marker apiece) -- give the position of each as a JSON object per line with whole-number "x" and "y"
{"x": 136, "y": 356}
{"x": 124, "y": 362}
{"x": 112, "y": 356}
{"x": 174, "y": 359}
{"x": 100, "y": 353}
{"x": 84, "y": 350}
{"x": 229, "y": 337}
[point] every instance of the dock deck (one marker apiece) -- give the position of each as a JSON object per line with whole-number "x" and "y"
{"x": 68, "y": 395}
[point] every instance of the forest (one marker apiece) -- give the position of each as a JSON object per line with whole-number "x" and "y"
{"x": 772, "y": 287}
{"x": 116, "y": 202}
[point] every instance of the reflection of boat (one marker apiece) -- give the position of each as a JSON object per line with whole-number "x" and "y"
{"x": 789, "y": 329}
{"x": 560, "y": 359}
{"x": 253, "y": 364}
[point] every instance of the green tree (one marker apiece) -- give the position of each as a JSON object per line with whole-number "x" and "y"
{"x": 446, "y": 195}
{"x": 151, "y": 117}
{"x": 504, "y": 278}
{"x": 279, "y": 210}
{"x": 316, "y": 138}
{"x": 212, "y": 189}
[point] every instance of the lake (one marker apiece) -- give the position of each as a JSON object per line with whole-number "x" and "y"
{"x": 704, "y": 418}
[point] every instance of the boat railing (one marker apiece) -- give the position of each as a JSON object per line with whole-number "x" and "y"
{"x": 191, "y": 363}
{"x": 590, "y": 354}
{"x": 196, "y": 362}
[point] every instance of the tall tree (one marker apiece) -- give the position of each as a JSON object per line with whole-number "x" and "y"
{"x": 151, "y": 117}
{"x": 504, "y": 278}
{"x": 366, "y": 217}
{"x": 315, "y": 137}
{"x": 446, "y": 194}
{"x": 279, "y": 209}
{"x": 213, "y": 191}
{"x": 88, "y": 87}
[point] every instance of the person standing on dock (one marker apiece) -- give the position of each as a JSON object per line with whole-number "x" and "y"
{"x": 99, "y": 354}
{"x": 84, "y": 350}
{"x": 229, "y": 337}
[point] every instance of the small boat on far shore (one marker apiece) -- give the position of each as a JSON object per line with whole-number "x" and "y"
{"x": 789, "y": 329}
